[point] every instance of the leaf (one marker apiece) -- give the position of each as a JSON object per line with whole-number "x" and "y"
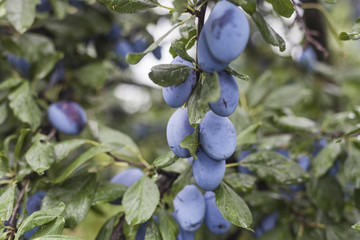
{"x": 4, "y": 164}
{"x": 179, "y": 47}
{"x": 152, "y": 232}
{"x": 62, "y": 149}
{"x": 356, "y": 226}
{"x": 326, "y": 158}
{"x": 54, "y": 227}
{"x": 180, "y": 5}
{"x": 21, "y": 13}
{"x": 39, "y": 218}
{"x": 183, "y": 179}
{"x": 274, "y": 141}
{"x": 165, "y": 160}
{"x": 93, "y": 75}
{"x": 7, "y": 202}
{"x": 45, "y": 64}
{"x": 353, "y": 35}
{"x": 352, "y": 168}
{"x": 20, "y": 142}
{"x": 140, "y": 201}
{"x": 58, "y": 237}
{"x": 237, "y": 74}
{"x": 169, "y": 74}
{"x": 283, "y": 7}
{"x": 267, "y": 32}
{"x": 248, "y": 135}
{"x": 128, "y": 6}
{"x": 191, "y": 142}
{"x": 10, "y": 83}
{"x": 296, "y": 124}
{"x": 167, "y": 224}
{"x": 240, "y": 181}
{"x": 77, "y": 194}
{"x": 326, "y": 193}
{"x": 41, "y": 154}
{"x": 249, "y": 6}
{"x": 24, "y": 106}
{"x": 134, "y": 58}
{"x": 340, "y": 232}
{"x": 273, "y": 167}
{"x": 206, "y": 90}
{"x": 293, "y": 93}
{"x": 108, "y": 227}
{"x": 107, "y": 192}
{"x": 233, "y": 207}
{"x": 89, "y": 154}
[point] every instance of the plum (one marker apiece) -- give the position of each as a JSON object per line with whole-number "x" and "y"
{"x": 227, "y": 31}
{"x": 177, "y": 129}
{"x": 284, "y": 152}
{"x": 229, "y": 96}
{"x": 127, "y": 177}
{"x": 33, "y": 204}
{"x": 217, "y": 136}
{"x": 115, "y": 33}
{"x": 139, "y": 44}
{"x": 214, "y": 220}
{"x": 43, "y": 6}
{"x": 176, "y": 95}
{"x": 183, "y": 235}
{"x": 319, "y": 145}
{"x": 189, "y": 206}
{"x": 122, "y": 48}
{"x": 308, "y": 59}
{"x": 268, "y": 223}
{"x": 157, "y": 53}
{"x": 20, "y": 64}
{"x": 208, "y": 172}
{"x": 243, "y": 154}
{"x": 67, "y": 117}
{"x": 58, "y": 74}
{"x": 304, "y": 163}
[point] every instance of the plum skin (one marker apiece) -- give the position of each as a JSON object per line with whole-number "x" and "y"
{"x": 189, "y": 206}
{"x": 214, "y": 220}
{"x": 67, "y": 117}
{"x": 217, "y": 136}
{"x": 229, "y": 96}
{"x": 208, "y": 173}
{"x": 127, "y": 177}
{"x": 177, "y": 129}
{"x": 176, "y": 95}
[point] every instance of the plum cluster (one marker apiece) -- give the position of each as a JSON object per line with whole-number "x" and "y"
{"x": 192, "y": 208}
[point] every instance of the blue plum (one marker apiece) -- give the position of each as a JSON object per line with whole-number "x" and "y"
{"x": 58, "y": 74}
{"x": 268, "y": 223}
{"x": 243, "y": 154}
{"x": 308, "y": 59}
{"x": 227, "y": 31}
{"x": 115, "y": 33}
{"x": 229, "y": 96}
{"x": 304, "y": 162}
{"x": 217, "y": 136}
{"x": 207, "y": 172}
{"x": 20, "y": 64}
{"x": 122, "y": 48}
{"x": 189, "y": 206}
{"x": 176, "y": 95}
{"x": 127, "y": 177}
{"x": 334, "y": 169}
{"x": 319, "y": 145}
{"x": 43, "y": 6}
{"x": 283, "y": 151}
{"x": 177, "y": 129}
{"x": 33, "y": 204}
{"x": 139, "y": 44}
{"x": 157, "y": 53}
{"x": 141, "y": 232}
{"x": 214, "y": 220}
{"x": 67, "y": 117}
{"x": 183, "y": 235}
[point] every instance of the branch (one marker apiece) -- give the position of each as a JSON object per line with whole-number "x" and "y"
{"x": 117, "y": 159}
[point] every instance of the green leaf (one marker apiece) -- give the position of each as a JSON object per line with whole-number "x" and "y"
{"x": 122, "y": 144}
{"x": 169, "y": 74}
{"x": 240, "y": 181}
{"x": 326, "y": 193}
{"x": 352, "y": 167}
{"x": 340, "y": 232}
{"x": 267, "y": 32}
{"x": 248, "y": 135}
{"x": 274, "y": 141}
{"x": 191, "y": 142}
{"x": 128, "y": 6}
{"x": 165, "y": 160}
{"x": 58, "y": 237}
{"x": 20, "y": 142}
{"x": 273, "y": 167}
{"x": 152, "y": 232}
{"x": 77, "y": 194}
{"x": 180, "y": 5}
{"x": 41, "y": 154}
{"x": 7, "y": 202}
{"x": 167, "y": 224}
{"x": 134, "y": 58}
{"x": 283, "y": 7}
{"x": 10, "y": 83}
{"x": 108, "y": 227}
{"x": 24, "y": 106}
{"x": 233, "y": 207}
{"x": 62, "y": 149}
{"x": 356, "y": 226}
{"x": 89, "y": 154}
{"x": 249, "y": 6}
{"x": 39, "y": 218}
{"x": 296, "y": 124}
{"x": 107, "y": 192}
{"x": 326, "y": 159}
{"x": 54, "y": 227}
{"x": 4, "y": 164}
{"x": 179, "y": 47}
{"x": 237, "y": 74}
{"x": 93, "y": 75}
{"x": 21, "y": 13}
{"x": 183, "y": 179}
{"x": 45, "y": 64}
{"x": 293, "y": 93}
{"x": 3, "y": 112}
{"x": 206, "y": 90}
{"x": 353, "y": 35}
{"x": 140, "y": 201}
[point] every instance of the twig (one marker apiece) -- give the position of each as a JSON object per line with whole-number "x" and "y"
{"x": 117, "y": 159}
{"x": 118, "y": 233}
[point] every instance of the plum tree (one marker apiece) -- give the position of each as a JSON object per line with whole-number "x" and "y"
{"x": 67, "y": 117}
{"x": 189, "y": 207}
{"x": 217, "y": 136}
{"x": 229, "y": 96}
{"x": 176, "y": 95}
{"x": 20, "y": 64}
{"x": 207, "y": 172}
{"x": 214, "y": 220}
{"x": 177, "y": 129}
